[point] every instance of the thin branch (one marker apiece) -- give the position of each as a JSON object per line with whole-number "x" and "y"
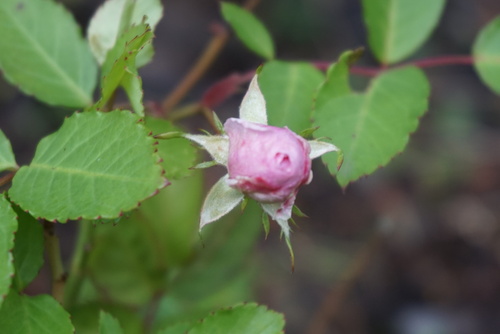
{"x": 340, "y": 290}
{"x": 212, "y": 50}
{"x": 53, "y": 250}
{"x": 208, "y": 56}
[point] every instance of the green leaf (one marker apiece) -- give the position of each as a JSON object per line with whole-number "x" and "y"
{"x": 7, "y": 160}
{"x": 178, "y": 155}
{"x": 178, "y": 328}
{"x": 162, "y": 231}
{"x": 85, "y": 318}
{"x": 249, "y": 30}
{"x": 28, "y": 249}
{"x": 114, "y": 17}
{"x": 487, "y": 55}
{"x": 108, "y": 324}
{"x": 372, "y": 128}
{"x": 96, "y": 165}
{"x": 289, "y": 89}
{"x": 42, "y": 314}
{"x": 337, "y": 79}
{"x": 8, "y": 226}
{"x": 124, "y": 264}
{"x": 120, "y": 69}
{"x": 43, "y": 52}
{"x": 396, "y": 28}
{"x": 242, "y": 319}
{"x": 222, "y": 272}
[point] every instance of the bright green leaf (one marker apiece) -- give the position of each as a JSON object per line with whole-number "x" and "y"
{"x": 249, "y": 30}
{"x": 337, "y": 79}
{"x": 178, "y": 154}
{"x": 7, "y": 160}
{"x": 109, "y": 324}
{"x": 242, "y": 319}
{"x": 396, "y": 28}
{"x": 120, "y": 69}
{"x": 162, "y": 231}
{"x": 41, "y": 314}
{"x": 115, "y": 17}
{"x": 487, "y": 55}
{"x": 28, "y": 249}
{"x": 289, "y": 89}
{"x": 372, "y": 128}
{"x": 43, "y": 52}
{"x": 8, "y": 226}
{"x": 96, "y": 165}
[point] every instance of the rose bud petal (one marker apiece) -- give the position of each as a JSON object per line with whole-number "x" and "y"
{"x": 265, "y": 162}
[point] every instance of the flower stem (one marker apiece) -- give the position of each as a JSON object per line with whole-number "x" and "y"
{"x": 75, "y": 277}
{"x": 53, "y": 251}
{"x": 443, "y": 61}
{"x": 447, "y": 60}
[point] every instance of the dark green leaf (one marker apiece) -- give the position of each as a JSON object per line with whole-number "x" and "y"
{"x": 8, "y": 226}
{"x": 108, "y": 324}
{"x": 95, "y": 165}
{"x": 7, "y": 160}
{"x": 249, "y": 30}
{"x": 42, "y": 51}
{"x": 396, "y": 28}
{"x": 28, "y": 249}
{"x": 85, "y": 318}
{"x": 289, "y": 89}
{"x": 178, "y": 328}
{"x": 372, "y": 128}
{"x": 162, "y": 233}
{"x": 222, "y": 272}
{"x": 487, "y": 55}
{"x": 41, "y": 315}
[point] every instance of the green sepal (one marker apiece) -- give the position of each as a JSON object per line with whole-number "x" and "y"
{"x": 265, "y": 223}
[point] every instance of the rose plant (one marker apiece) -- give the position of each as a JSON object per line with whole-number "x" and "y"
{"x": 137, "y": 265}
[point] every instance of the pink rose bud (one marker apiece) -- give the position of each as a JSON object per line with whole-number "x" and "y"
{"x": 265, "y": 162}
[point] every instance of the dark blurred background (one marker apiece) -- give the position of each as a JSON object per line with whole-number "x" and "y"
{"x": 413, "y": 248}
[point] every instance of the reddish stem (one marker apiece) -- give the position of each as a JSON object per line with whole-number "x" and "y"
{"x": 423, "y": 63}
{"x": 443, "y": 61}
